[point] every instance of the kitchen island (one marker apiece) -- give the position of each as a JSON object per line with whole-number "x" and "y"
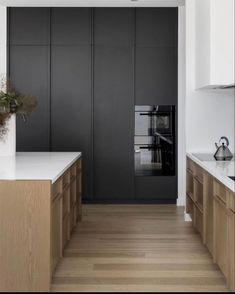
{"x": 40, "y": 204}
{"x": 210, "y": 202}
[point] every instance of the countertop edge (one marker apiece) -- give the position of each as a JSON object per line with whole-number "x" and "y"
{"x": 67, "y": 167}
{"x": 221, "y": 178}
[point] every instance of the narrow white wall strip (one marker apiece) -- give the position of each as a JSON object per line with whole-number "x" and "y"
{"x": 8, "y": 145}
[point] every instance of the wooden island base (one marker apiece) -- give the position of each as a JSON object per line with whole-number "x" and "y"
{"x": 36, "y": 221}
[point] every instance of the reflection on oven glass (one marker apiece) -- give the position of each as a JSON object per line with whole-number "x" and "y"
{"x": 154, "y": 140}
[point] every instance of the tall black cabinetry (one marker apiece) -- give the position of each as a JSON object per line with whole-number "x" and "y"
{"x": 113, "y": 104}
{"x": 89, "y": 67}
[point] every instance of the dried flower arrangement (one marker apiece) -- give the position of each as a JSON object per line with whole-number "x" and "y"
{"x": 13, "y": 102}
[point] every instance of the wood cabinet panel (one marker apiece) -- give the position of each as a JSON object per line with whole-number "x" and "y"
{"x": 190, "y": 207}
{"x": 198, "y": 192}
{"x": 198, "y": 220}
{"x": 231, "y": 249}
{"x": 221, "y": 235}
{"x": 220, "y": 191}
{"x": 211, "y": 206}
{"x": 190, "y": 185}
{"x": 56, "y": 231}
{"x": 208, "y": 212}
{"x": 25, "y": 210}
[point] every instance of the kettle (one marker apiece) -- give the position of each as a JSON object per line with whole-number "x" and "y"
{"x": 223, "y": 153}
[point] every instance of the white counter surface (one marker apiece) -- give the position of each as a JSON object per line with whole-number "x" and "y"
{"x": 221, "y": 170}
{"x": 36, "y": 165}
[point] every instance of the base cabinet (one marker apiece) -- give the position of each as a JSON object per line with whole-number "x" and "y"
{"x": 56, "y": 231}
{"x": 38, "y": 216}
{"x": 221, "y": 235}
{"x": 211, "y": 206}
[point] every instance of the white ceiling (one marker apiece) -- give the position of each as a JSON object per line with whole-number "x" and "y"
{"x": 94, "y": 3}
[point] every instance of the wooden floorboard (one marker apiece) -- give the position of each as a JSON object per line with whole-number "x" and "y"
{"x": 136, "y": 248}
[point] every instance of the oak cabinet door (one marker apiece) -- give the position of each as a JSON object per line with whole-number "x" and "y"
{"x": 208, "y": 212}
{"x": 221, "y": 236}
{"x": 56, "y": 232}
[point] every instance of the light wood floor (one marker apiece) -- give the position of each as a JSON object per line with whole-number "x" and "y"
{"x": 136, "y": 248}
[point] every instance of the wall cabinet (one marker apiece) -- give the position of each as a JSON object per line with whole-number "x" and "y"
{"x": 214, "y": 24}
{"x": 211, "y": 206}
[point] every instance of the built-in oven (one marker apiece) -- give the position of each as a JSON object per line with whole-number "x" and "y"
{"x": 154, "y": 142}
{"x": 150, "y": 119}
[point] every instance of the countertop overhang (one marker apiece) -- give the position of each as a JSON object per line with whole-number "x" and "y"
{"x": 221, "y": 170}
{"x": 36, "y": 165}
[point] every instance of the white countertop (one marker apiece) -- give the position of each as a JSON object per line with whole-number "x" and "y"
{"x": 218, "y": 169}
{"x": 36, "y": 165}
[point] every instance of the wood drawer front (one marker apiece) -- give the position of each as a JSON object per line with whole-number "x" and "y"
{"x": 190, "y": 207}
{"x": 221, "y": 235}
{"x": 198, "y": 220}
{"x": 57, "y": 188}
{"x": 73, "y": 192}
{"x": 66, "y": 179}
{"x": 79, "y": 166}
{"x": 198, "y": 192}
{"x": 66, "y": 202}
{"x": 56, "y": 221}
{"x": 190, "y": 185}
{"x": 231, "y": 203}
{"x": 231, "y": 249}
{"x": 73, "y": 172}
{"x": 190, "y": 165}
{"x": 198, "y": 173}
{"x": 220, "y": 191}
{"x": 65, "y": 231}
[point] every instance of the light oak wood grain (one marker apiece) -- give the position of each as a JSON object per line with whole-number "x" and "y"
{"x": 25, "y": 208}
{"x": 136, "y": 248}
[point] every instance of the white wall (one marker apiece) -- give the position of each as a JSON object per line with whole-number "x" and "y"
{"x": 3, "y": 40}
{"x": 209, "y": 113}
{"x": 181, "y": 110}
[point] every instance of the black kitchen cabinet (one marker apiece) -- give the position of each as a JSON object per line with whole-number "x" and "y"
{"x": 71, "y": 105}
{"x": 89, "y": 67}
{"x": 156, "y": 76}
{"x": 114, "y": 26}
{"x": 161, "y": 189}
{"x": 29, "y": 26}
{"x": 29, "y": 73}
{"x": 113, "y": 124}
{"x": 70, "y": 26}
{"x": 157, "y": 27}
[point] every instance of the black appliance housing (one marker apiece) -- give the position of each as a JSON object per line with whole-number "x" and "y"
{"x": 155, "y": 140}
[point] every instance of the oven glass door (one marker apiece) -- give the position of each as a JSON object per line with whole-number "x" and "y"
{"x": 149, "y": 120}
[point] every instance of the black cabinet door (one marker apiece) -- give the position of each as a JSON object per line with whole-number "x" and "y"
{"x": 157, "y": 27}
{"x": 114, "y": 26}
{"x": 113, "y": 124}
{"x": 70, "y": 26}
{"x": 160, "y": 189}
{"x": 156, "y": 76}
{"x": 29, "y": 72}
{"x": 71, "y": 105}
{"x": 29, "y": 26}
